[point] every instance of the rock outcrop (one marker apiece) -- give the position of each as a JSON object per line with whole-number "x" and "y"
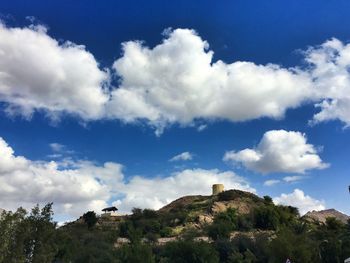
{"x": 321, "y": 216}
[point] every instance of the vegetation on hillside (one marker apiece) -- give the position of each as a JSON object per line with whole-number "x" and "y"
{"x": 263, "y": 233}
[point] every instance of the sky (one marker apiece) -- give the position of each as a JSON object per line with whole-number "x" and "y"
{"x": 137, "y": 103}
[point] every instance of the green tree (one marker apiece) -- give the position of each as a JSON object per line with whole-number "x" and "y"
{"x": 266, "y": 217}
{"x": 296, "y": 247}
{"x": 268, "y": 199}
{"x": 90, "y": 219}
{"x": 28, "y": 238}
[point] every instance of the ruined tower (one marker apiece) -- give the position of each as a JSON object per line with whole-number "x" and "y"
{"x": 218, "y": 188}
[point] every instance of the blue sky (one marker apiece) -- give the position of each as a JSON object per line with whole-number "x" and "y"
{"x": 259, "y": 32}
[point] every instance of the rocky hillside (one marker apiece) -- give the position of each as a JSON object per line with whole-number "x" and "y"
{"x": 201, "y": 210}
{"x": 321, "y": 216}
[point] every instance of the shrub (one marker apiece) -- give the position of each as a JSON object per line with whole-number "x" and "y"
{"x": 266, "y": 217}
{"x": 135, "y": 253}
{"x": 224, "y": 223}
{"x": 189, "y": 251}
{"x": 166, "y": 232}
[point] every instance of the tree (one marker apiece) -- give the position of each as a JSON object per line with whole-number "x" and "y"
{"x": 90, "y": 219}
{"x": 13, "y": 232}
{"x": 266, "y": 217}
{"x": 28, "y": 238}
{"x": 268, "y": 199}
{"x": 42, "y": 244}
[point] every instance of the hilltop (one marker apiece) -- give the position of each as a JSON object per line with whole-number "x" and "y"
{"x": 321, "y": 216}
{"x": 197, "y": 213}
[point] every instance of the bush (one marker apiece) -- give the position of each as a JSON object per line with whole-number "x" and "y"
{"x": 166, "y": 232}
{"x": 135, "y": 253}
{"x": 244, "y": 222}
{"x": 229, "y": 195}
{"x": 266, "y": 218}
{"x": 234, "y": 194}
{"x": 224, "y": 223}
{"x": 149, "y": 214}
{"x": 189, "y": 251}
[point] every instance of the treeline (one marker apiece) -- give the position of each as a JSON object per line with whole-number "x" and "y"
{"x": 268, "y": 233}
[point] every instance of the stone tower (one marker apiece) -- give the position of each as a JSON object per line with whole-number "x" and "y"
{"x": 218, "y": 188}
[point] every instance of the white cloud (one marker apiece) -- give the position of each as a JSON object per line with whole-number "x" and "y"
{"x": 39, "y": 73}
{"x": 271, "y": 182}
{"x": 56, "y": 147}
{"x": 279, "y": 151}
{"x": 330, "y": 71}
{"x": 78, "y": 186}
{"x": 294, "y": 178}
{"x": 74, "y": 189}
{"x": 298, "y": 199}
{"x": 177, "y": 81}
{"x": 185, "y": 156}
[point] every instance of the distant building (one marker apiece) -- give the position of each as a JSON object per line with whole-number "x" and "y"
{"x": 110, "y": 211}
{"x": 218, "y": 188}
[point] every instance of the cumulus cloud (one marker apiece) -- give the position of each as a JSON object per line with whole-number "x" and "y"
{"x": 298, "y": 199}
{"x": 185, "y": 156}
{"x": 279, "y": 151}
{"x": 78, "y": 186}
{"x": 178, "y": 81}
{"x": 74, "y": 189}
{"x": 330, "y": 73}
{"x": 39, "y": 73}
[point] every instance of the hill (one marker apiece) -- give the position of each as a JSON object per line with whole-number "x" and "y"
{"x": 233, "y": 226}
{"x": 321, "y": 216}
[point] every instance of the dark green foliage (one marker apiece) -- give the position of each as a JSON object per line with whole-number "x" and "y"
{"x": 28, "y": 238}
{"x": 267, "y": 234}
{"x": 135, "y": 253}
{"x": 224, "y": 223}
{"x": 77, "y": 244}
{"x": 189, "y": 251}
{"x": 90, "y": 219}
{"x": 245, "y": 222}
{"x": 266, "y": 217}
{"x": 234, "y": 194}
{"x": 332, "y": 236}
{"x": 268, "y": 199}
{"x": 165, "y": 232}
{"x": 296, "y": 247}
{"x": 151, "y": 224}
